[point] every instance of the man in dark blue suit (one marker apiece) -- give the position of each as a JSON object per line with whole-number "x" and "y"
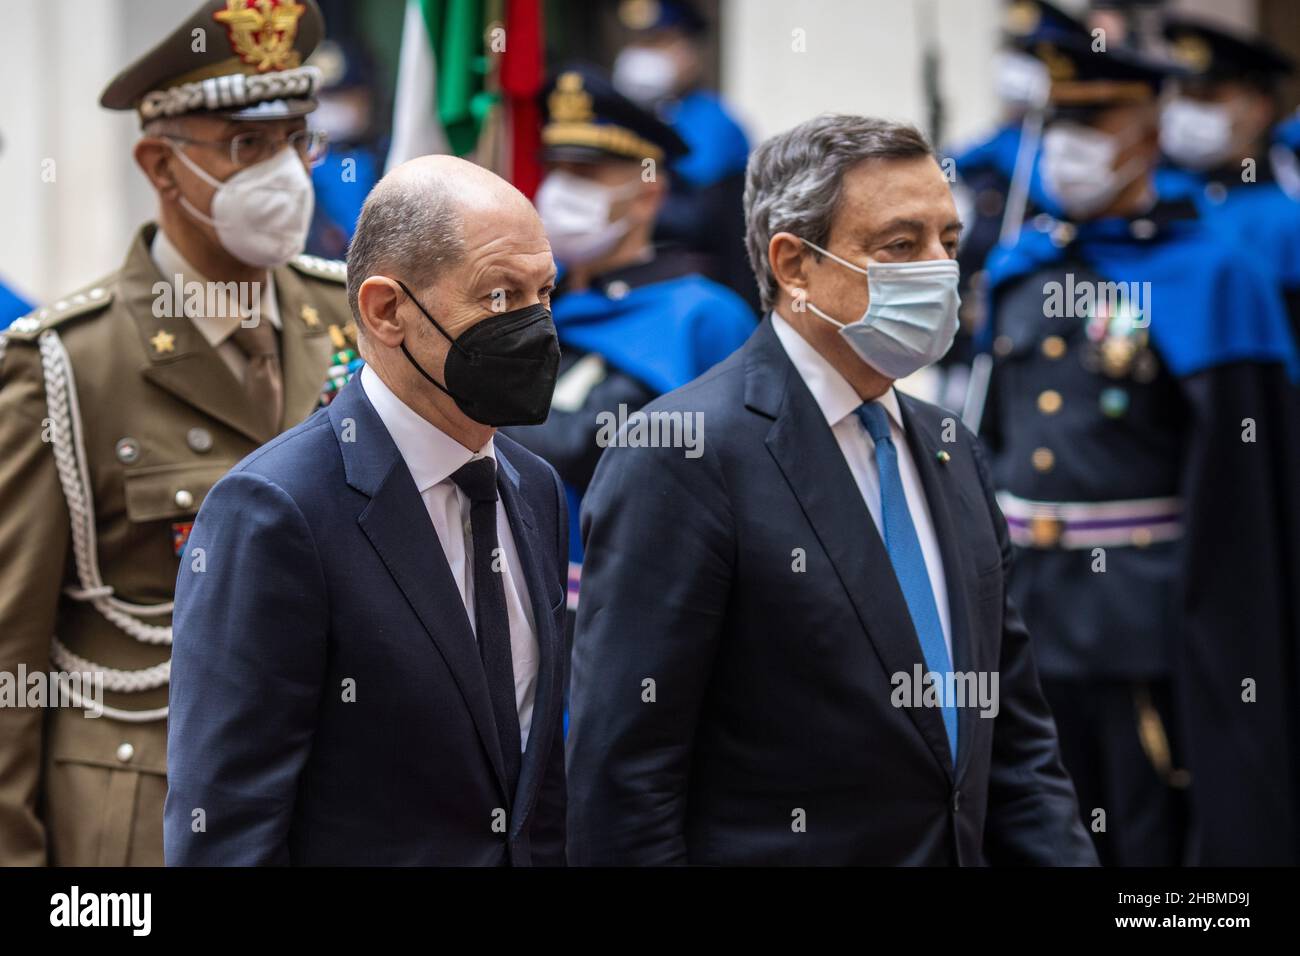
{"x": 794, "y": 644}
{"x": 367, "y": 664}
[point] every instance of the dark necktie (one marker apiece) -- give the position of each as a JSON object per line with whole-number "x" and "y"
{"x": 478, "y": 479}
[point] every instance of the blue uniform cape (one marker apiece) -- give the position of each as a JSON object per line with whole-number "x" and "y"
{"x": 663, "y": 333}
{"x": 998, "y": 153}
{"x": 340, "y": 198}
{"x": 719, "y": 147}
{"x": 12, "y": 306}
{"x": 1260, "y": 214}
{"x": 1210, "y": 304}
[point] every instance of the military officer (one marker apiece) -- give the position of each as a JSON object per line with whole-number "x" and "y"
{"x": 661, "y": 69}
{"x": 1216, "y": 136}
{"x": 634, "y": 319}
{"x": 985, "y": 168}
{"x": 124, "y": 401}
{"x": 1139, "y": 426}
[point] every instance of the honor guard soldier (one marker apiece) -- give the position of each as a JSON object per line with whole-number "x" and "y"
{"x": 1139, "y": 424}
{"x": 124, "y": 401}
{"x": 986, "y": 167}
{"x": 634, "y": 320}
{"x": 1216, "y": 136}
{"x": 661, "y": 69}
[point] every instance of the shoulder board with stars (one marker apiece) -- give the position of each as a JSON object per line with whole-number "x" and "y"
{"x": 88, "y": 300}
{"x": 335, "y": 270}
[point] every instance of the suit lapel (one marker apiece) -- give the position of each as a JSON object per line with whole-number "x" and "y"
{"x": 805, "y": 450}
{"x": 531, "y": 550}
{"x": 957, "y": 563}
{"x": 304, "y": 347}
{"x": 398, "y": 526}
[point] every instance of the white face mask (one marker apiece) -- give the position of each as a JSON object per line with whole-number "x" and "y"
{"x": 1196, "y": 135}
{"x": 1077, "y": 168}
{"x": 1021, "y": 80}
{"x": 262, "y": 213}
{"x": 575, "y": 213}
{"x": 911, "y": 317}
{"x": 645, "y": 76}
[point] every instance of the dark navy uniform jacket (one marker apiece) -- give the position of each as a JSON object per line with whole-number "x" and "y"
{"x": 1185, "y": 420}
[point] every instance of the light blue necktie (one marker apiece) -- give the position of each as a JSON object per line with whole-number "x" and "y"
{"x": 905, "y": 555}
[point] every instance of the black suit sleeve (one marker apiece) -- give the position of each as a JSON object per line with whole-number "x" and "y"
{"x": 548, "y": 828}
{"x": 659, "y": 561}
{"x": 1033, "y": 813}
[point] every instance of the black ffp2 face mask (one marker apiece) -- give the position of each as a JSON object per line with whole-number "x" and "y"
{"x": 502, "y": 370}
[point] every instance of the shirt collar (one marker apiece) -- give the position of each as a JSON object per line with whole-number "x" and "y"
{"x": 431, "y": 455}
{"x": 836, "y": 398}
{"x": 214, "y": 329}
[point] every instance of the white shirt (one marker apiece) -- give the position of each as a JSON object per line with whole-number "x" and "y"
{"x": 838, "y": 401}
{"x": 432, "y": 457}
{"x": 217, "y": 328}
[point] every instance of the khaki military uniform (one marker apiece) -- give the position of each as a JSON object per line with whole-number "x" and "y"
{"x": 114, "y": 423}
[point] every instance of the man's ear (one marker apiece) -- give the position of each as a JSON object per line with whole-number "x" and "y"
{"x": 154, "y": 158}
{"x": 785, "y": 254}
{"x": 377, "y": 302}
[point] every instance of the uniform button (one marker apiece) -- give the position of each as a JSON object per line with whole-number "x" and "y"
{"x": 1063, "y": 234}
{"x": 125, "y": 752}
{"x": 127, "y": 450}
{"x": 1049, "y": 402}
{"x": 1003, "y": 345}
{"x": 184, "y": 499}
{"x": 1143, "y": 229}
{"x": 1053, "y": 346}
{"x": 1044, "y": 532}
{"x": 199, "y": 440}
{"x": 956, "y": 800}
{"x": 1043, "y": 459}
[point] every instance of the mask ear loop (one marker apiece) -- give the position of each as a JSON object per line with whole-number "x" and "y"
{"x": 410, "y": 358}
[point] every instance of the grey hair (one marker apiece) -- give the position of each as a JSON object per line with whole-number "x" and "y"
{"x": 793, "y": 180}
{"x": 409, "y": 228}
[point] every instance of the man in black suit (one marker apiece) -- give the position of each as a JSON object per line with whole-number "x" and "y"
{"x": 368, "y": 664}
{"x": 794, "y": 643}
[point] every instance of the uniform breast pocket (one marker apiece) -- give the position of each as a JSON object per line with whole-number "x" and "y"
{"x": 168, "y": 492}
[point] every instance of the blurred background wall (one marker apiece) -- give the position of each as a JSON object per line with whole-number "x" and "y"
{"x": 70, "y": 194}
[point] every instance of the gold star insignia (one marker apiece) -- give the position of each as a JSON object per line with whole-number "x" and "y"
{"x": 310, "y": 316}
{"x": 164, "y": 341}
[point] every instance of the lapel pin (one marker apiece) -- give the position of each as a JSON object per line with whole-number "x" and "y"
{"x": 942, "y": 457}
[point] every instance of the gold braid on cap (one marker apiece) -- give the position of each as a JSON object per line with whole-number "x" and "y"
{"x": 230, "y": 91}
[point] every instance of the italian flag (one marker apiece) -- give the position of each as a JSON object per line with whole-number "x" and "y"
{"x": 467, "y": 83}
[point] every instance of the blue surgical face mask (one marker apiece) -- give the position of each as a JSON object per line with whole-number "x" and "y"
{"x": 911, "y": 318}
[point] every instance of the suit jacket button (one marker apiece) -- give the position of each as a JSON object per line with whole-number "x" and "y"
{"x": 125, "y": 752}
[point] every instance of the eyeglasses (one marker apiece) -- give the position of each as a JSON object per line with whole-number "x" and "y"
{"x": 248, "y": 149}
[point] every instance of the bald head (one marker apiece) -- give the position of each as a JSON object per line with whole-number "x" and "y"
{"x": 421, "y": 218}
{"x": 441, "y": 246}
